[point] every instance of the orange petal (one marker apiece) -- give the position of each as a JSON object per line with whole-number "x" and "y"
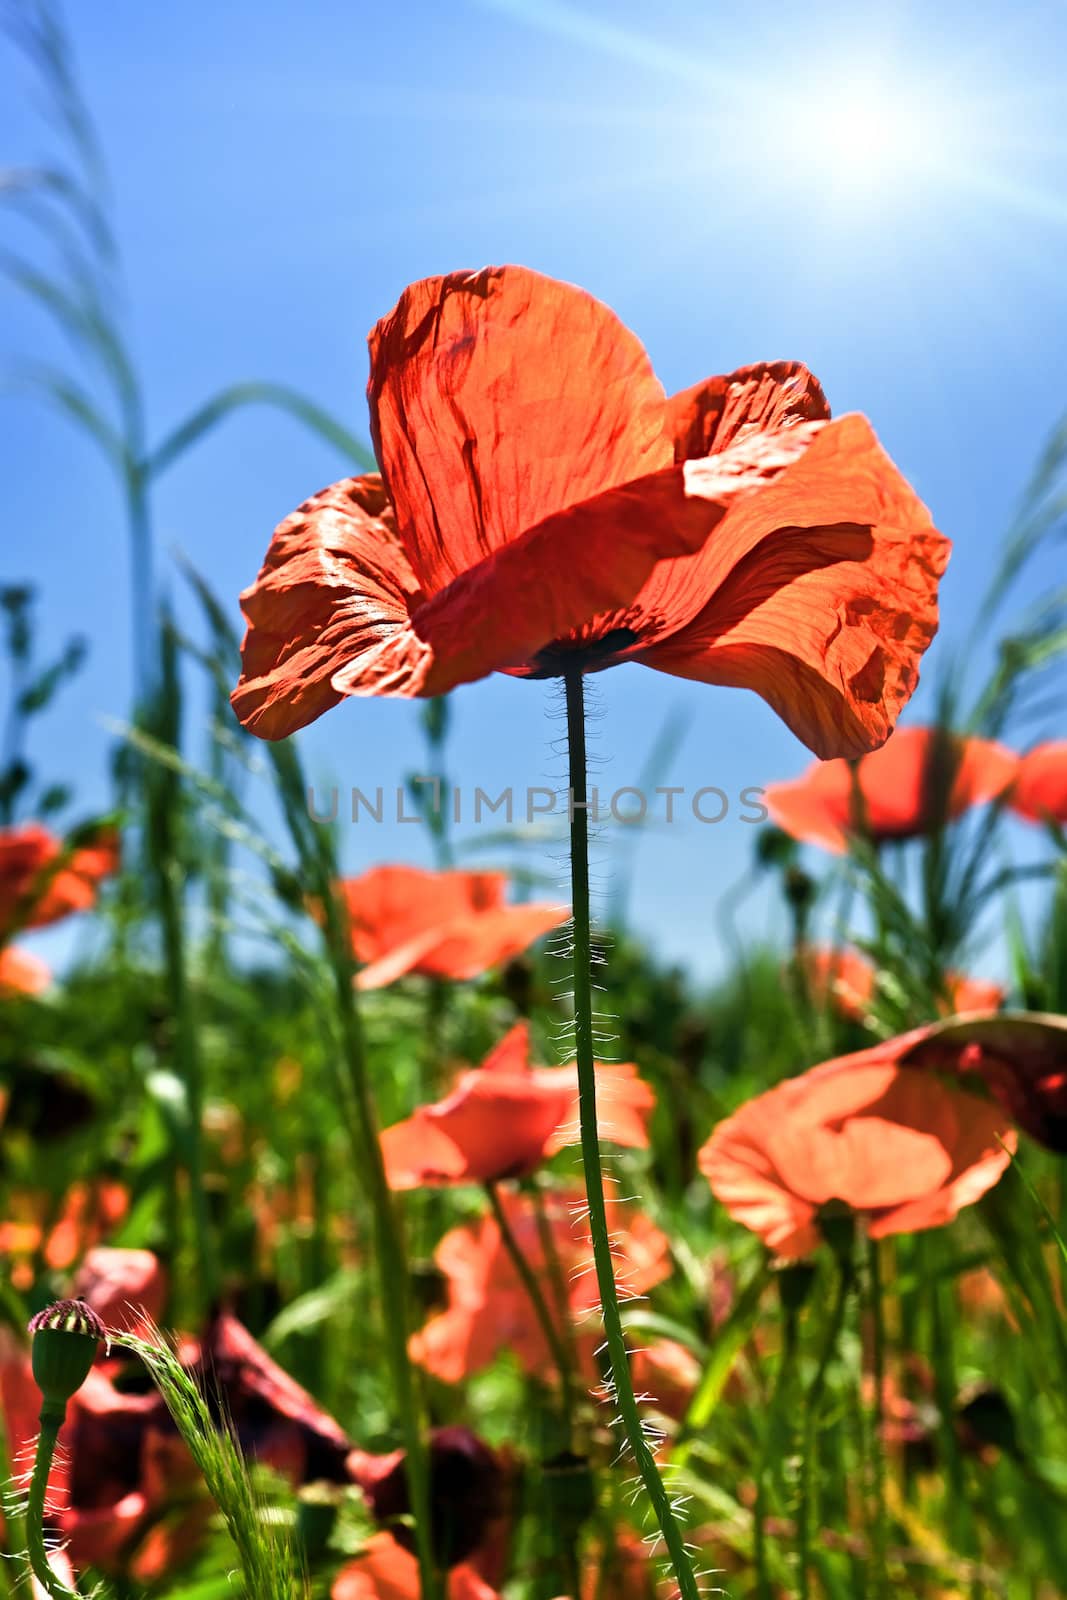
{"x": 498, "y": 399}
{"x": 466, "y": 947}
{"x": 903, "y": 788}
{"x": 568, "y": 574}
{"x": 713, "y": 415}
{"x": 22, "y": 973}
{"x": 389, "y": 905}
{"x": 334, "y": 590}
{"x": 386, "y": 1571}
{"x": 823, "y": 594}
{"x": 1040, "y": 790}
{"x": 418, "y": 1155}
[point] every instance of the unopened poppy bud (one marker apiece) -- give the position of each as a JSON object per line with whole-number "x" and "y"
{"x": 799, "y": 888}
{"x": 66, "y": 1337}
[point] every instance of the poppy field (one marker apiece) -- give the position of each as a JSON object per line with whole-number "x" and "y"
{"x": 420, "y": 1232}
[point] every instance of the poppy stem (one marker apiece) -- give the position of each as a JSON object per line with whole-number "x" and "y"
{"x": 49, "y": 1580}
{"x": 528, "y": 1279}
{"x": 618, "y": 1355}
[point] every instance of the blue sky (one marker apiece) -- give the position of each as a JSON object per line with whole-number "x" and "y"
{"x": 876, "y": 191}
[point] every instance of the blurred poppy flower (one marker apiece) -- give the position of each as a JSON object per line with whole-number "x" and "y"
{"x": 1040, "y": 789}
{"x": 505, "y": 1118}
{"x": 1021, "y": 1058}
{"x": 385, "y": 1570}
{"x": 466, "y": 1492}
{"x": 37, "y": 886}
{"x": 409, "y": 921}
{"x": 488, "y": 1309}
{"x": 543, "y": 503}
{"x": 845, "y": 981}
{"x": 276, "y": 1421}
{"x": 126, "y": 1288}
{"x": 893, "y": 1143}
{"x": 920, "y": 779}
{"x": 22, "y": 973}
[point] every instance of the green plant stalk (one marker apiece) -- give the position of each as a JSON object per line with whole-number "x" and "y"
{"x": 50, "y": 1582}
{"x": 389, "y": 1243}
{"x": 812, "y": 1407}
{"x": 877, "y": 1311}
{"x": 553, "y": 1337}
{"x": 782, "y": 1385}
{"x": 618, "y": 1355}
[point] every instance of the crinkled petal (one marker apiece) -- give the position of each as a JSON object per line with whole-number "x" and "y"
{"x": 334, "y": 591}
{"x": 714, "y": 414}
{"x": 498, "y": 399}
{"x": 823, "y": 594}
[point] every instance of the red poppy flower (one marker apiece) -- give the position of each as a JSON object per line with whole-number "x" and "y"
{"x": 276, "y": 1421}
{"x": 386, "y": 1571}
{"x": 1022, "y": 1060}
{"x": 22, "y": 973}
{"x": 408, "y": 921}
{"x": 893, "y": 1143}
{"x": 466, "y": 1492}
{"x": 33, "y": 891}
{"x": 504, "y": 1119}
{"x": 488, "y": 1308}
{"x": 126, "y": 1288}
{"x": 918, "y": 779}
{"x": 844, "y": 981}
{"x": 542, "y": 502}
{"x": 1040, "y": 789}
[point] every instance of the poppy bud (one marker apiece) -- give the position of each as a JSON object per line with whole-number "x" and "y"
{"x": 799, "y": 888}
{"x": 66, "y": 1337}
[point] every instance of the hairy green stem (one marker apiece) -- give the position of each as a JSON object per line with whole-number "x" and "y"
{"x": 50, "y": 1582}
{"x": 618, "y": 1355}
{"x": 528, "y": 1278}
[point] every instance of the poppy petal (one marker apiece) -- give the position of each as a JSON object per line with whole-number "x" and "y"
{"x": 543, "y": 587}
{"x": 498, "y": 399}
{"x": 1040, "y": 790}
{"x": 823, "y": 594}
{"x": 712, "y": 415}
{"x": 919, "y": 778}
{"x": 466, "y": 947}
{"x": 334, "y": 590}
{"x": 390, "y": 905}
{"x": 416, "y": 1154}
